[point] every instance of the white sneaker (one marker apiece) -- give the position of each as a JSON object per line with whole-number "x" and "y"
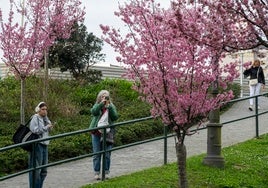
{"x": 250, "y": 108}
{"x": 97, "y": 177}
{"x": 107, "y": 176}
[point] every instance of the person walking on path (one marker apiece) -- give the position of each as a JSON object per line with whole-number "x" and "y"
{"x": 256, "y": 81}
{"x": 104, "y": 113}
{"x": 41, "y": 125}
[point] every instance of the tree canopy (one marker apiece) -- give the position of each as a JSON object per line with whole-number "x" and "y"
{"x": 24, "y": 44}
{"x": 42, "y": 22}
{"x": 175, "y": 55}
{"x": 77, "y": 53}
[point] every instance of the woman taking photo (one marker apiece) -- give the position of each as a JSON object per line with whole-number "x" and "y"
{"x": 104, "y": 113}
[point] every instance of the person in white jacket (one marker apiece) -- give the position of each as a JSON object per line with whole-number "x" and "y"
{"x": 40, "y": 125}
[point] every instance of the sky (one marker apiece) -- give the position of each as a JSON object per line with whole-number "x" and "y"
{"x": 102, "y": 12}
{"x": 98, "y": 12}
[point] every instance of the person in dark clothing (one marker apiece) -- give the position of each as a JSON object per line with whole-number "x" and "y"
{"x": 255, "y": 72}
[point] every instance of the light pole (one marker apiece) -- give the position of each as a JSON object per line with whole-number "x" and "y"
{"x": 241, "y": 75}
{"x": 22, "y": 12}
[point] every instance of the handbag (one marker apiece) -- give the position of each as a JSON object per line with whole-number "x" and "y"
{"x": 253, "y": 82}
{"x": 24, "y": 134}
{"x": 104, "y": 121}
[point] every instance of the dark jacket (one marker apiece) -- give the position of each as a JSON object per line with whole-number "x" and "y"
{"x": 252, "y": 72}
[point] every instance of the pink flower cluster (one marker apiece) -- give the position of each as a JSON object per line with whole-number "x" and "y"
{"x": 174, "y": 55}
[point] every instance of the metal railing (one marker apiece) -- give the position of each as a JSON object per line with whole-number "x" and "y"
{"x": 256, "y": 115}
{"x": 125, "y": 123}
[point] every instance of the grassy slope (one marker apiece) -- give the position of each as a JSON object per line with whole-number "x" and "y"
{"x": 246, "y": 165}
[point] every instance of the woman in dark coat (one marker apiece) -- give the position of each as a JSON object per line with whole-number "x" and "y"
{"x": 255, "y": 72}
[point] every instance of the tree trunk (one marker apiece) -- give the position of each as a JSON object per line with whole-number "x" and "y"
{"x": 181, "y": 159}
{"x": 22, "y": 100}
{"x": 45, "y": 89}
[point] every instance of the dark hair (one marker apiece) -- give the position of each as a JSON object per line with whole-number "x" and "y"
{"x": 42, "y": 105}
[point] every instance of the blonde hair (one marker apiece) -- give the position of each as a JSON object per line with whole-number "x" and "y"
{"x": 256, "y": 61}
{"x": 101, "y": 93}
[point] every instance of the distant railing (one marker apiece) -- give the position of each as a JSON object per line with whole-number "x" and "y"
{"x": 125, "y": 123}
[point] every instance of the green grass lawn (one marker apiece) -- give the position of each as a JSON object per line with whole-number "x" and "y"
{"x": 246, "y": 166}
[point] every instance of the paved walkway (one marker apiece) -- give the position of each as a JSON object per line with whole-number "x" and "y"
{"x": 136, "y": 158}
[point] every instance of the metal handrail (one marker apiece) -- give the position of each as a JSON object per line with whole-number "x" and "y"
{"x": 256, "y": 115}
{"x": 165, "y": 137}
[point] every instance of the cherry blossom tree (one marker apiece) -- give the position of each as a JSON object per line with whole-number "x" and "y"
{"x": 174, "y": 60}
{"x": 253, "y": 14}
{"x": 24, "y": 44}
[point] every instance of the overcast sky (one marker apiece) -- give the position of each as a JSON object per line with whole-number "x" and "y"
{"x": 102, "y": 12}
{"x": 98, "y": 12}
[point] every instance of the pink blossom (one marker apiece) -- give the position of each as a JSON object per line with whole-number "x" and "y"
{"x": 44, "y": 21}
{"x": 177, "y": 70}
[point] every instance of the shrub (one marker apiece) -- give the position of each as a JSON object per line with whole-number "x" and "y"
{"x": 69, "y": 105}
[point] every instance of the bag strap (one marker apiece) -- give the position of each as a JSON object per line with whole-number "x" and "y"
{"x": 258, "y": 72}
{"x": 28, "y": 122}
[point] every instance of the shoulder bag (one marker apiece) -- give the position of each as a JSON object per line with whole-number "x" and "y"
{"x": 24, "y": 134}
{"x": 253, "y": 82}
{"x": 104, "y": 121}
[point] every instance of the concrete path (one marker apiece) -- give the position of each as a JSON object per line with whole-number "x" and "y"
{"x": 136, "y": 158}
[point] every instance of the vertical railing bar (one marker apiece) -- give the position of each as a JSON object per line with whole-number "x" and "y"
{"x": 34, "y": 164}
{"x": 257, "y": 116}
{"x": 103, "y": 154}
{"x": 165, "y": 145}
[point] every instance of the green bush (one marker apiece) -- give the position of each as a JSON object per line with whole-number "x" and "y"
{"x": 69, "y": 105}
{"x": 236, "y": 88}
{"x": 10, "y": 98}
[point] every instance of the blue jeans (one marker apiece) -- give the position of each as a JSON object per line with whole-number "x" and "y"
{"x": 41, "y": 158}
{"x": 97, "y": 146}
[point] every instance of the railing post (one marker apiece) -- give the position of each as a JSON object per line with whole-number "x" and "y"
{"x": 34, "y": 165}
{"x": 257, "y": 116}
{"x": 165, "y": 145}
{"x": 214, "y": 157}
{"x": 103, "y": 155}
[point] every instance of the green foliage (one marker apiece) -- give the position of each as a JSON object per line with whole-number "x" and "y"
{"x": 245, "y": 166}
{"x": 69, "y": 105}
{"x": 236, "y": 88}
{"x": 10, "y": 99}
{"x": 77, "y": 53}
{"x": 138, "y": 131}
{"x": 91, "y": 76}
